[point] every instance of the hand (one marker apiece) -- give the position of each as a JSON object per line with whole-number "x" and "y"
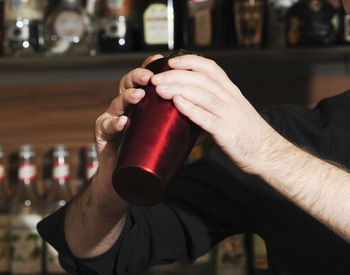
{"x": 202, "y": 91}
{"x": 112, "y": 122}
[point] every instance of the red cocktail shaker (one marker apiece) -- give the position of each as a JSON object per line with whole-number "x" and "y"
{"x": 156, "y": 142}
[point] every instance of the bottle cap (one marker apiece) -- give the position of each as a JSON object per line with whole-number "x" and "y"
{"x": 60, "y": 150}
{"x": 26, "y": 151}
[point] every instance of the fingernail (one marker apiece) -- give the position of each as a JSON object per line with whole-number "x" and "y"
{"x": 156, "y": 78}
{"x": 144, "y": 76}
{"x": 137, "y": 92}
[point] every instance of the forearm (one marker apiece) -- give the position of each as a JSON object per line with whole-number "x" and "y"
{"x": 320, "y": 188}
{"x": 94, "y": 221}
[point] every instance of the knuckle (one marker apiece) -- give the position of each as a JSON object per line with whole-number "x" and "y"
{"x": 212, "y": 63}
{"x": 216, "y": 101}
{"x": 214, "y": 124}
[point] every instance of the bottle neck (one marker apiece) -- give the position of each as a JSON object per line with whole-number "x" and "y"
{"x": 71, "y": 3}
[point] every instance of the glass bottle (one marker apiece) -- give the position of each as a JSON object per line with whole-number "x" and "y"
{"x": 249, "y": 21}
{"x": 68, "y": 30}
{"x": 2, "y": 15}
{"x": 58, "y": 197}
{"x": 117, "y": 26}
{"x": 23, "y": 27}
{"x": 26, "y": 244}
{"x": 232, "y": 256}
{"x": 312, "y": 23}
{"x": 344, "y": 32}
{"x": 158, "y": 24}
{"x": 201, "y": 23}
{"x": 4, "y": 220}
{"x": 91, "y": 161}
{"x": 276, "y": 22}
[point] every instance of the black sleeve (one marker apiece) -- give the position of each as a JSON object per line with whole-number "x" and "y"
{"x": 324, "y": 130}
{"x": 191, "y": 220}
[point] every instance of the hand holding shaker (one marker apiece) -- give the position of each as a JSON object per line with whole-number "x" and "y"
{"x": 156, "y": 142}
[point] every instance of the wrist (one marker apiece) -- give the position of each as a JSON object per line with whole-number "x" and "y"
{"x": 102, "y": 198}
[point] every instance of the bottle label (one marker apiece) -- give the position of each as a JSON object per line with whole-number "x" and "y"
{"x": 114, "y": 27}
{"x": 60, "y": 171}
{"x": 26, "y": 244}
{"x": 32, "y": 10}
{"x": 52, "y": 262}
{"x": 259, "y": 253}
{"x": 27, "y": 172}
{"x": 4, "y": 243}
{"x": 2, "y": 172}
{"x": 155, "y": 24}
{"x": 69, "y": 26}
{"x": 249, "y": 22}
{"x": 203, "y": 28}
{"x": 347, "y": 27}
{"x": 91, "y": 169}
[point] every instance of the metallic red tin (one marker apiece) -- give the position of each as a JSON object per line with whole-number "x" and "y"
{"x": 156, "y": 142}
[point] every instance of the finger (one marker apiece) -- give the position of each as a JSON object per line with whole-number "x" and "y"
{"x": 108, "y": 127}
{"x": 150, "y": 59}
{"x": 202, "y": 65}
{"x": 187, "y": 78}
{"x": 138, "y": 76}
{"x": 207, "y": 121}
{"x": 135, "y": 78}
{"x": 120, "y": 104}
{"x": 203, "y": 98}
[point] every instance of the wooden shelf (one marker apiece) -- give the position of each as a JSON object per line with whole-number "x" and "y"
{"x": 282, "y": 63}
{"x": 127, "y": 59}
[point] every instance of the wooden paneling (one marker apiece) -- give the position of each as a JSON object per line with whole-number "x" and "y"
{"x": 48, "y": 114}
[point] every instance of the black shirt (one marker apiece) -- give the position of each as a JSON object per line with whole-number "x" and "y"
{"x": 212, "y": 199}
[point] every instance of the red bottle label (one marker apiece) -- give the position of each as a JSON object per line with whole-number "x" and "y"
{"x": 27, "y": 172}
{"x": 2, "y": 172}
{"x": 60, "y": 171}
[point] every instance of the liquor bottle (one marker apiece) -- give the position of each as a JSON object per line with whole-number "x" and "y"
{"x": 232, "y": 256}
{"x": 2, "y": 15}
{"x": 58, "y": 197}
{"x": 23, "y": 27}
{"x": 26, "y": 244}
{"x": 68, "y": 30}
{"x": 202, "y": 23}
{"x": 91, "y": 162}
{"x": 312, "y": 23}
{"x": 259, "y": 255}
{"x": 2, "y": 165}
{"x": 224, "y": 23}
{"x": 4, "y": 220}
{"x": 344, "y": 31}
{"x": 276, "y": 22}
{"x": 249, "y": 21}
{"x": 117, "y": 26}
{"x": 162, "y": 24}
{"x": 196, "y": 153}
